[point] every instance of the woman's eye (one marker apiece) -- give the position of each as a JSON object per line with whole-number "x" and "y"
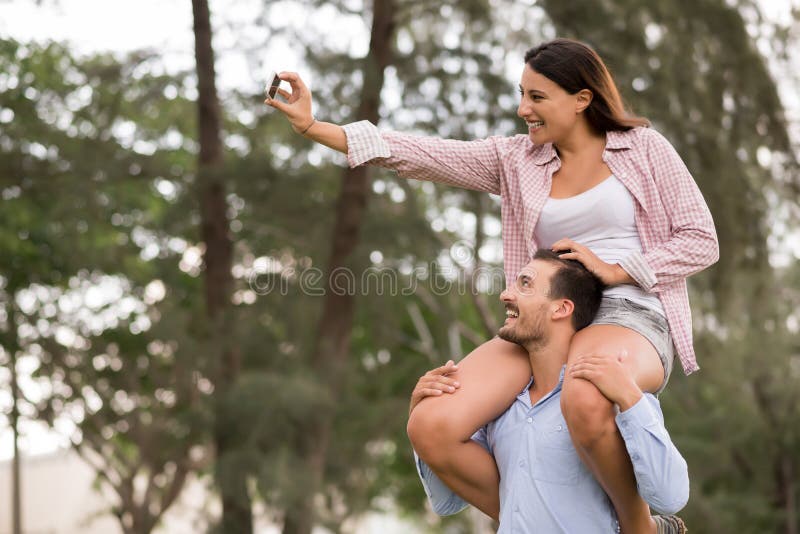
{"x": 536, "y": 98}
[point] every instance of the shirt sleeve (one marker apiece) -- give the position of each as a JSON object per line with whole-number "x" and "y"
{"x": 693, "y": 245}
{"x": 661, "y": 472}
{"x": 469, "y": 164}
{"x": 444, "y": 501}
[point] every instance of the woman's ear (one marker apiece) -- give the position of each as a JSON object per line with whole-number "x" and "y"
{"x": 582, "y": 100}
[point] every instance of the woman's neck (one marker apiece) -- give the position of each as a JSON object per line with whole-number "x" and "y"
{"x": 582, "y": 142}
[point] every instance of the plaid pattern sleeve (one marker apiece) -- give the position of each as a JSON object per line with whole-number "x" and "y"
{"x": 364, "y": 143}
{"x": 636, "y": 266}
{"x": 469, "y": 164}
{"x": 692, "y": 245}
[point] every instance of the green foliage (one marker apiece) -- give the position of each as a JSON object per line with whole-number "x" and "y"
{"x": 88, "y": 244}
{"x": 97, "y": 178}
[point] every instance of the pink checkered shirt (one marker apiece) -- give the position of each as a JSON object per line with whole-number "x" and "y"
{"x": 675, "y": 226}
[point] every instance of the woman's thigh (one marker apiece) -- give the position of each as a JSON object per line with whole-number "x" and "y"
{"x": 642, "y": 359}
{"x": 490, "y": 377}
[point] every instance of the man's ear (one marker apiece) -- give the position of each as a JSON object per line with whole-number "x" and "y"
{"x": 563, "y": 308}
{"x": 582, "y": 100}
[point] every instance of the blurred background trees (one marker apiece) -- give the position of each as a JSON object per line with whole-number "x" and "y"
{"x": 165, "y": 275}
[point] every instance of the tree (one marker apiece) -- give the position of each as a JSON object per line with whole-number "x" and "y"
{"x": 139, "y": 431}
{"x": 218, "y": 261}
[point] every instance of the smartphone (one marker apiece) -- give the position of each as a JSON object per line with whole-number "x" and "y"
{"x": 273, "y": 82}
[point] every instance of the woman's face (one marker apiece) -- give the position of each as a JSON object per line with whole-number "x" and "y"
{"x": 549, "y": 111}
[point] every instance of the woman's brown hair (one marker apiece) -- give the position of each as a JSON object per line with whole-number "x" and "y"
{"x": 575, "y": 66}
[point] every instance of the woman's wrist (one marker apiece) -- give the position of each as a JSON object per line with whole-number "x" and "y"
{"x": 619, "y": 276}
{"x": 310, "y": 124}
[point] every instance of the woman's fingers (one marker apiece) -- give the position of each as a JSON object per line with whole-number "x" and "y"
{"x": 290, "y": 77}
{"x": 277, "y": 104}
{"x": 447, "y": 368}
{"x": 562, "y": 244}
{"x": 568, "y": 244}
{"x": 285, "y": 94}
{"x": 428, "y": 392}
{"x": 434, "y": 383}
{"x": 569, "y": 256}
{"x": 584, "y": 370}
{"x": 439, "y": 381}
{"x": 298, "y": 86}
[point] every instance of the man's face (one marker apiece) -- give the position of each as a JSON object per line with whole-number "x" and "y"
{"x": 528, "y": 305}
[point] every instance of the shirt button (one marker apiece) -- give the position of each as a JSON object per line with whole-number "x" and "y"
{"x": 530, "y": 419}
{"x": 635, "y": 457}
{"x": 522, "y": 463}
{"x": 516, "y": 508}
{"x": 559, "y": 428}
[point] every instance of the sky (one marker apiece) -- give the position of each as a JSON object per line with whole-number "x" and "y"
{"x": 166, "y": 26}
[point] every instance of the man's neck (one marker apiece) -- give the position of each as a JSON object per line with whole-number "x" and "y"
{"x": 546, "y": 363}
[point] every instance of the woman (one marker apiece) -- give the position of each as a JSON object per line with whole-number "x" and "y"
{"x": 589, "y": 181}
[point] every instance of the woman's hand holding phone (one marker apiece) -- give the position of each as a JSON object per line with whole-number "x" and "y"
{"x": 297, "y": 107}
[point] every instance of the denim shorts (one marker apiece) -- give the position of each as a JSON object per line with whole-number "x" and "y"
{"x": 649, "y": 323}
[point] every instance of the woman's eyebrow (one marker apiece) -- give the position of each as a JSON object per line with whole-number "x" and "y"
{"x": 531, "y": 91}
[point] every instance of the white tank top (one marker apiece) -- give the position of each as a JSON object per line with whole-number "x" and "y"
{"x": 602, "y": 219}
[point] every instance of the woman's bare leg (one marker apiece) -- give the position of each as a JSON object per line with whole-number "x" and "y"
{"x": 440, "y": 428}
{"x": 591, "y": 419}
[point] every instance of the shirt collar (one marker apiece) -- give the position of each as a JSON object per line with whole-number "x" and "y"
{"x": 524, "y": 397}
{"x": 618, "y": 140}
{"x": 543, "y": 154}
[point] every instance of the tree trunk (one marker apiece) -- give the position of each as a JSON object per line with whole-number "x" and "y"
{"x": 332, "y": 343}
{"x": 10, "y": 343}
{"x": 788, "y": 491}
{"x": 236, "y": 508}
{"x": 16, "y": 507}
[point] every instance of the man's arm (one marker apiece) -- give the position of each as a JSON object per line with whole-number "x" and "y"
{"x": 662, "y": 475}
{"x": 661, "y": 472}
{"x": 444, "y": 501}
{"x": 446, "y": 498}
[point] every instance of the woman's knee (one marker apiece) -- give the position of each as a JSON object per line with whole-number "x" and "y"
{"x": 432, "y": 433}
{"x": 588, "y": 413}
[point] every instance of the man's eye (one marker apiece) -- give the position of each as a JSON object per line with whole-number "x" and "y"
{"x": 536, "y": 98}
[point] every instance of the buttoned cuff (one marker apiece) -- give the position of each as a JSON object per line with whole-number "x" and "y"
{"x": 364, "y": 143}
{"x": 640, "y": 415}
{"x": 636, "y": 266}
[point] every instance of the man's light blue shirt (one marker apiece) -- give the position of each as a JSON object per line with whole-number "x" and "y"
{"x": 544, "y": 486}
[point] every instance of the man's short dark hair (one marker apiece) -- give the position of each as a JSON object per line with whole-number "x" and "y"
{"x": 575, "y": 282}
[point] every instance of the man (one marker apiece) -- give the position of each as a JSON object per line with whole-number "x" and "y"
{"x": 544, "y": 486}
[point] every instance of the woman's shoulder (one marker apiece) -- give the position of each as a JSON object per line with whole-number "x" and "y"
{"x": 649, "y": 137}
{"x": 645, "y": 141}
